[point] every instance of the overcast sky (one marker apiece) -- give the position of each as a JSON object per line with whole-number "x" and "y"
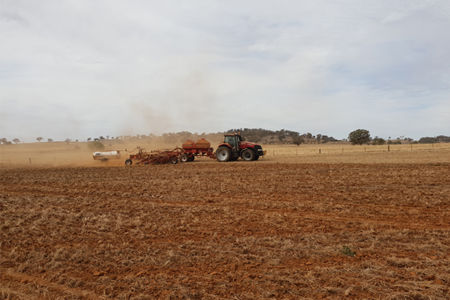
{"x": 82, "y": 69}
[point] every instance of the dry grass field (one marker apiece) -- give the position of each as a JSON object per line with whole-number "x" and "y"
{"x": 357, "y": 224}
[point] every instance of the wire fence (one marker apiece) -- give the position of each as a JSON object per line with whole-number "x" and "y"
{"x": 293, "y": 150}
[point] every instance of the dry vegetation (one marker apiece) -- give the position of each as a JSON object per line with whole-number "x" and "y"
{"x": 279, "y": 228}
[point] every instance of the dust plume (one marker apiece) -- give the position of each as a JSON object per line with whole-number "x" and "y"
{"x": 186, "y": 103}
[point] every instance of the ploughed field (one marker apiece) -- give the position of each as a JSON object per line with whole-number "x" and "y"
{"x": 233, "y": 230}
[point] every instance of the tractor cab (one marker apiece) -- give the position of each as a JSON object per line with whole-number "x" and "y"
{"x": 233, "y": 140}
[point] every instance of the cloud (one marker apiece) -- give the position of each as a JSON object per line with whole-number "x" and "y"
{"x": 322, "y": 66}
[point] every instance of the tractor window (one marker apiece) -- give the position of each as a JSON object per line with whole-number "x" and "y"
{"x": 230, "y": 140}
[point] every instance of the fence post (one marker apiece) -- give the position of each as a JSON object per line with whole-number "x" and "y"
{"x": 320, "y": 151}
{"x": 389, "y": 148}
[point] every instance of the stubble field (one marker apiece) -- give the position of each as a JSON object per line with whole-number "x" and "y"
{"x": 268, "y": 229}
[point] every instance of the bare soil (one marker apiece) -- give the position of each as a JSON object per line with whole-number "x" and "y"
{"x": 226, "y": 231}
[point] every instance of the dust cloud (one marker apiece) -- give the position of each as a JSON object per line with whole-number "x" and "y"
{"x": 51, "y": 154}
{"x": 188, "y": 103}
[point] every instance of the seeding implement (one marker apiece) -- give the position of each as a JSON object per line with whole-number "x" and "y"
{"x": 154, "y": 157}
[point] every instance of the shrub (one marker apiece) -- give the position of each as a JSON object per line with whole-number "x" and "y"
{"x": 378, "y": 141}
{"x": 394, "y": 142}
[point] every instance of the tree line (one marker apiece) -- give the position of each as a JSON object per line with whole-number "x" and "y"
{"x": 257, "y": 135}
{"x": 362, "y": 136}
{"x": 283, "y": 136}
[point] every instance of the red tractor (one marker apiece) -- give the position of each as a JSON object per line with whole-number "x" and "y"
{"x": 234, "y": 147}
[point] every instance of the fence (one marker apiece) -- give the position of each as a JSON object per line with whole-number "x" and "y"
{"x": 316, "y": 149}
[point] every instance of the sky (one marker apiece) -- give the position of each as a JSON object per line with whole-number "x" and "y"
{"x": 84, "y": 68}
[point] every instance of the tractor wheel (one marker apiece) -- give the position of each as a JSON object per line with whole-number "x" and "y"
{"x": 184, "y": 158}
{"x": 248, "y": 155}
{"x": 174, "y": 160}
{"x": 191, "y": 158}
{"x": 256, "y": 157}
{"x": 128, "y": 162}
{"x": 223, "y": 154}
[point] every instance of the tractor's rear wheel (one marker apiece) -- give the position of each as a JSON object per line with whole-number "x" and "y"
{"x": 184, "y": 158}
{"x": 128, "y": 162}
{"x": 223, "y": 154}
{"x": 248, "y": 155}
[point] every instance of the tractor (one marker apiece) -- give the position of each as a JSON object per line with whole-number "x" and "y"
{"x": 234, "y": 147}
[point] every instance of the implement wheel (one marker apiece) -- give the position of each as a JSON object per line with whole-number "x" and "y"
{"x": 128, "y": 162}
{"x": 184, "y": 158}
{"x": 223, "y": 154}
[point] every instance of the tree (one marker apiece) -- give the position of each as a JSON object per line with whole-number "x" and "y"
{"x": 319, "y": 138}
{"x": 443, "y": 139}
{"x": 16, "y": 140}
{"x": 359, "y": 137}
{"x": 49, "y": 140}
{"x": 39, "y": 138}
{"x": 298, "y": 140}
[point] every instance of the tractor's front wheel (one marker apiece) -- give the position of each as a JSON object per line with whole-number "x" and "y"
{"x": 248, "y": 155}
{"x": 223, "y": 154}
{"x": 128, "y": 162}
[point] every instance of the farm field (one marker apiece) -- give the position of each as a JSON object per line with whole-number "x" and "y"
{"x": 281, "y": 228}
